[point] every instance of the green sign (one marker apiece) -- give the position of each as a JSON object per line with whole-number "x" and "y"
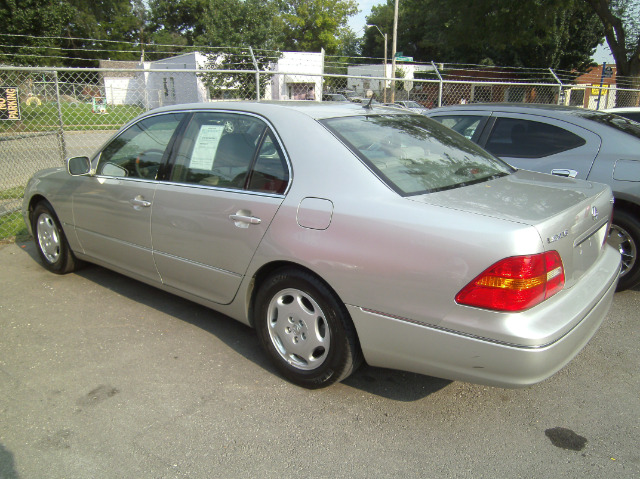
{"x": 404, "y": 59}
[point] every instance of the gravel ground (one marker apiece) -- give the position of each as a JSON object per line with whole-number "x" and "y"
{"x": 105, "y": 377}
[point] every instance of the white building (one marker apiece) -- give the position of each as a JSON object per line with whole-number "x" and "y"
{"x": 363, "y": 85}
{"x": 158, "y": 83}
{"x": 292, "y": 83}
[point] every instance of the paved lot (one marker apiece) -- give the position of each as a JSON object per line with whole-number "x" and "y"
{"x": 104, "y": 377}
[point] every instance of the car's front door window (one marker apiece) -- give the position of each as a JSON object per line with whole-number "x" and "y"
{"x": 138, "y": 152}
{"x": 230, "y": 151}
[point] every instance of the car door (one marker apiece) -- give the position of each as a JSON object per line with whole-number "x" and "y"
{"x": 228, "y": 180}
{"x": 112, "y": 209}
{"x": 538, "y": 143}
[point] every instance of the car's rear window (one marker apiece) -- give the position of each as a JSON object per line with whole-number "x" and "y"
{"x": 614, "y": 121}
{"x": 415, "y": 155}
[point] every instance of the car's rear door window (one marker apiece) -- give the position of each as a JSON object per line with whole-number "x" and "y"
{"x": 522, "y": 138}
{"x": 230, "y": 150}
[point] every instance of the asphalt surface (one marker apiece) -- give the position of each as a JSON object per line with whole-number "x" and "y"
{"x": 105, "y": 377}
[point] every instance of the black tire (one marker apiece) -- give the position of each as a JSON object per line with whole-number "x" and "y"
{"x": 305, "y": 329}
{"x": 51, "y": 241}
{"x": 625, "y": 237}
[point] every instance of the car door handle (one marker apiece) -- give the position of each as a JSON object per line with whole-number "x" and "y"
{"x": 139, "y": 201}
{"x": 243, "y": 221}
{"x": 564, "y": 172}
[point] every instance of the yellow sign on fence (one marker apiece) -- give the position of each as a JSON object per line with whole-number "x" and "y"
{"x": 596, "y": 90}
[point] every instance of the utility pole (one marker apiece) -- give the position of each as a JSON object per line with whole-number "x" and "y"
{"x": 394, "y": 48}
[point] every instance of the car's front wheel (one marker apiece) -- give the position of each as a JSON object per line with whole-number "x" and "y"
{"x": 305, "y": 329}
{"x": 625, "y": 237}
{"x": 50, "y": 240}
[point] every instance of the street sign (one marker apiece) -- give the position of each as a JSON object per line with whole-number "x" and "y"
{"x": 404, "y": 59}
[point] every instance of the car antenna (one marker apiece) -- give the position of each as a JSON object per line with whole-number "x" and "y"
{"x": 368, "y": 105}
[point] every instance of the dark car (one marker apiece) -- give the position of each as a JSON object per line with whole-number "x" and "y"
{"x": 569, "y": 142}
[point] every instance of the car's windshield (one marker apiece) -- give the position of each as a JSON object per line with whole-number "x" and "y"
{"x": 416, "y": 155}
{"x": 614, "y": 121}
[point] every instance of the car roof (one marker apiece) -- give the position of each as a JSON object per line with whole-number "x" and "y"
{"x": 313, "y": 109}
{"x": 570, "y": 113}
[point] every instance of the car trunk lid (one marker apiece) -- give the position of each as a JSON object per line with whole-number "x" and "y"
{"x": 571, "y": 216}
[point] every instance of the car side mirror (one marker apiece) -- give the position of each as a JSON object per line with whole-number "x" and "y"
{"x": 79, "y": 166}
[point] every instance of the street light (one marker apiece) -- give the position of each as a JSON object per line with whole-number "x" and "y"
{"x": 384, "y": 65}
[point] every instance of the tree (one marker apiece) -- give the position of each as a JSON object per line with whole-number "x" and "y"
{"x": 310, "y": 25}
{"x": 621, "y": 22}
{"x": 219, "y": 23}
{"x": 96, "y": 25}
{"x": 26, "y": 24}
{"x": 531, "y": 33}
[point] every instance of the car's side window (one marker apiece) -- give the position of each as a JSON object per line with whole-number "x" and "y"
{"x": 270, "y": 173}
{"x": 138, "y": 152}
{"x": 466, "y": 125}
{"x": 230, "y": 151}
{"x": 520, "y": 138}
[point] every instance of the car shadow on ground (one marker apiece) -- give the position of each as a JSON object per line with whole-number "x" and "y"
{"x": 391, "y": 384}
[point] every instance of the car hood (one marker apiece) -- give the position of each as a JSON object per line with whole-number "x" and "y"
{"x": 571, "y": 216}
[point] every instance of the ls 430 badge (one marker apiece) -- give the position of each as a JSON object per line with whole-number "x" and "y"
{"x": 559, "y": 236}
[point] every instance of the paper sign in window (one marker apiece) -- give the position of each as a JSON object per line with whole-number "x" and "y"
{"x": 206, "y": 146}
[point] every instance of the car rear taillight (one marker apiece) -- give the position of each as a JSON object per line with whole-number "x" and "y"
{"x": 516, "y": 283}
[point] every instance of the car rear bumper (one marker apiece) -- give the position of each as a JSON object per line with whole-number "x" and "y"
{"x": 405, "y": 345}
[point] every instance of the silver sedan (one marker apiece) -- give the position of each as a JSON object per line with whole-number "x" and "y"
{"x": 342, "y": 233}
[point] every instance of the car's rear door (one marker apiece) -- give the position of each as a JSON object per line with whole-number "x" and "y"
{"x": 539, "y": 143}
{"x": 227, "y": 182}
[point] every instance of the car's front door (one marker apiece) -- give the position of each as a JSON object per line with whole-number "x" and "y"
{"x": 112, "y": 209}
{"x": 227, "y": 182}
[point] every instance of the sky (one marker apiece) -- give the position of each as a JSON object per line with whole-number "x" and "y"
{"x": 357, "y": 23}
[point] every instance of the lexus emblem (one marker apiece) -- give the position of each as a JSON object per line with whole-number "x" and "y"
{"x": 594, "y": 213}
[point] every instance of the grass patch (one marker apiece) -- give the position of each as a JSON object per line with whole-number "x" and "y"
{"x": 75, "y": 116}
{"x": 12, "y": 193}
{"x": 12, "y": 226}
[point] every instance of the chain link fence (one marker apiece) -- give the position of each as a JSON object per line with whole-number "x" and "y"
{"x": 47, "y": 115}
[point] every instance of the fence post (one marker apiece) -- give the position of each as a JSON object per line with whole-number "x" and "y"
{"x": 559, "y": 84}
{"x": 255, "y": 65}
{"x": 435, "y": 68}
{"x": 63, "y": 144}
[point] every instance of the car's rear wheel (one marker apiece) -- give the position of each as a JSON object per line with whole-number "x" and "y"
{"x": 50, "y": 240}
{"x": 305, "y": 329}
{"x": 625, "y": 237}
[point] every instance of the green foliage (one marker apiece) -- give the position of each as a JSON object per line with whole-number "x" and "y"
{"x": 75, "y": 116}
{"x": 310, "y": 25}
{"x": 12, "y": 225}
{"x": 36, "y": 19}
{"x": 532, "y": 33}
